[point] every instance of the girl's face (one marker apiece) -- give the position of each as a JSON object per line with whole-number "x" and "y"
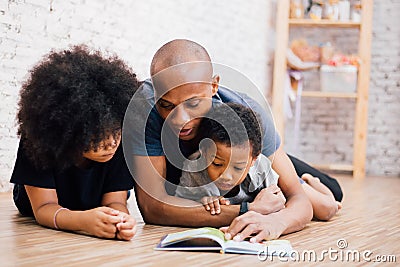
{"x": 229, "y": 165}
{"x": 106, "y": 149}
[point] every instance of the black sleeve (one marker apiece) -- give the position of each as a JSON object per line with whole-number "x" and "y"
{"x": 118, "y": 177}
{"x": 25, "y": 173}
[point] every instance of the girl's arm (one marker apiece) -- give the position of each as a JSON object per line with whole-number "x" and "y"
{"x": 126, "y": 227}
{"x": 116, "y": 200}
{"x": 100, "y": 221}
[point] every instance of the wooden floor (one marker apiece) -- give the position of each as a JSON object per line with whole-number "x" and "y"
{"x": 369, "y": 220}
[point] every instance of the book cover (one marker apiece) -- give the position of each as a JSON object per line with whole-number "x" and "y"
{"x": 212, "y": 239}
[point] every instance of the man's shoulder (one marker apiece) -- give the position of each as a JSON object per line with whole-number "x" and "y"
{"x": 227, "y": 95}
{"x": 146, "y": 90}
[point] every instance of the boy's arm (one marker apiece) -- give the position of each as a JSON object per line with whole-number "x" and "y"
{"x": 294, "y": 217}
{"x": 268, "y": 200}
{"x": 157, "y": 207}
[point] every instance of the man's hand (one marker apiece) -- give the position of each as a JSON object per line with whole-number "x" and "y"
{"x": 264, "y": 227}
{"x": 269, "y": 200}
{"x": 212, "y": 203}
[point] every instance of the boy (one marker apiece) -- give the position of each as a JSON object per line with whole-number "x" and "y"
{"x": 232, "y": 168}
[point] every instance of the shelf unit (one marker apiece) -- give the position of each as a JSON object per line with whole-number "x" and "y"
{"x": 283, "y": 23}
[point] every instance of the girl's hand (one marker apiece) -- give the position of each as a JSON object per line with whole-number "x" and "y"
{"x": 101, "y": 221}
{"x": 213, "y": 203}
{"x": 126, "y": 228}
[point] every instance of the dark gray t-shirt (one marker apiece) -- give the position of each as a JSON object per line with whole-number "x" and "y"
{"x": 143, "y": 126}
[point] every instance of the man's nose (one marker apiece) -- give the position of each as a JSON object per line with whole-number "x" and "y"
{"x": 179, "y": 116}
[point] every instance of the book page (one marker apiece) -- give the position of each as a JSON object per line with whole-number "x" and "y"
{"x": 243, "y": 247}
{"x": 273, "y": 247}
{"x": 205, "y": 232}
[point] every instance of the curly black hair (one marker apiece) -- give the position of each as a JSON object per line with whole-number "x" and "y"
{"x": 72, "y": 100}
{"x": 222, "y": 126}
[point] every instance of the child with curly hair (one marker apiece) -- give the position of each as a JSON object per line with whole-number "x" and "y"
{"x": 230, "y": 169}
{"x": 70, "y": 172}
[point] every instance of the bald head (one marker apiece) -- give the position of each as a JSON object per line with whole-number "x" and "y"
{"x": 177, "y": 52}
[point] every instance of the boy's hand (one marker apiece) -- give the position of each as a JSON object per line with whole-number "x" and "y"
{"x": 269, "y": 200}
{"x": 126, "y": 228}
{"x": 213, "y": 203}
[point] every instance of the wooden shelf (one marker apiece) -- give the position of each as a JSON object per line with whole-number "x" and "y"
{"x": 324, "y": 23}
{"x": 283, "y": 25}
{"x": 328, "y": 94}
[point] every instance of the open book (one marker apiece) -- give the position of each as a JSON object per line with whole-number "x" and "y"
{"x": 208, "y": 238}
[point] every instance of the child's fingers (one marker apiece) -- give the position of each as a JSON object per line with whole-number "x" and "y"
{"x": 106, "y": 234}
{"x": 212, "y": 204}
{"x": 127, "y": 230}
{"x": 126, "y": 225}
{"x": 127, "y": 234}
{"x": 114, "y": 219}
{"x": 273, "y": 189}
{"x": 109, "y": 211}
{"x": 204, "y": 201}
{"x": 212, "y": 207}
{"x": 207, "y": 207}
{"x": 282, "y": 196}
{"x": 217, "y": 206}
{"x": 224, "y": 201}
{"x": 109, "y": 215}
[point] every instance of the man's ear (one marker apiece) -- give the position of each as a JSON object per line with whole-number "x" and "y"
{"x": 215, "y": 83}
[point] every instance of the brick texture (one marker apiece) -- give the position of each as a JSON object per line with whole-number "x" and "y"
{"x": 237, "y": 33}
{"x": 327, "y": 124}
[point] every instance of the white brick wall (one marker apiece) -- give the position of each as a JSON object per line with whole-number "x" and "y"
{"x": 332, "y": 144}
{"x": 236, "y": 33}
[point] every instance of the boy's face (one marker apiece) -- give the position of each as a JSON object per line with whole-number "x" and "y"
{"x": 229, "y": 165}
{"x": 184, "y": 106}
{"x": 106, "y": 149}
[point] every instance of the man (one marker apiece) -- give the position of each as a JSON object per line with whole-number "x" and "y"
{"x": 165, "y": 131}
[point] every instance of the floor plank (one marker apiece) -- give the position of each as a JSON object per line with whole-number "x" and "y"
{"x": 369, "y": 221}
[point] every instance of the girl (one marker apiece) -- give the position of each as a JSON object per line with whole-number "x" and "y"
{"x": 70, "y": 172}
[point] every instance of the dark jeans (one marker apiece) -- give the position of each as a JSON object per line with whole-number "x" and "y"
{"x": 302, "y": 167}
